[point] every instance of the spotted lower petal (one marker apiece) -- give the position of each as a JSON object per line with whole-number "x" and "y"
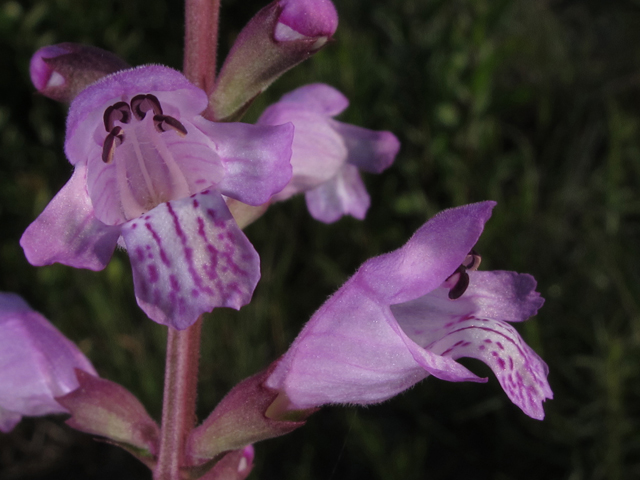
{"x": 188, "y": 257}
{"x": 345, "y": 194}
{"x": 473, "y": 326}
{"x": 68, "y": 232}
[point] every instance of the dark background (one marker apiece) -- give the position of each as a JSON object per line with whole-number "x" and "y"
{"x": 534, "y": 104}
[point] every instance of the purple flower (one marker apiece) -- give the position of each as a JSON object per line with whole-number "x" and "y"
{"x": 150, "y": 169}
{"x": 327, "y": 154}
{"x": 37, "y": 363}
{"x": 406, "y": 315}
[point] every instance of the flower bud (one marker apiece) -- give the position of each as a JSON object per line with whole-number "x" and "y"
{"x": 239, "y": 419}
{"x": 101, "y": 407}
{"x": 280, "y": 36}
{"x": 61, "y": 71}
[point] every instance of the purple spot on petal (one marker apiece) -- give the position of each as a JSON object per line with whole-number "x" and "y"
{"x": 174, "y": 283}
{"x": 481, "y": 347}
{"x": 499, "y": 345}
{"x": 501, "y": 363}
{"x": 196, "y": 203}
{"x": 153, "y": 273}
{"x": 139, "y": 254}
{"x": 486, "y": 340}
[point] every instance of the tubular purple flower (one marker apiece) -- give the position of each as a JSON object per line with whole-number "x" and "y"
{"x": 150, "y": 169}
{"x": 327, "y": 154}
{"x": 37, "y": 363}
{"x": 394, "y": 323}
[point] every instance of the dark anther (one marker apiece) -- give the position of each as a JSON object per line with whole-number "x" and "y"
{"x": 461, "y": 285}
{"x": 461, "y": 277}
{"x": 141, "y": 104}
{"x": 472, "y": 262}
{"x": 118, "y": 112}
{"x": 164, "y": 122}
{"x": 115, "y": 138}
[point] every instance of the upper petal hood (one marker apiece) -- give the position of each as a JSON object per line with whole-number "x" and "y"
{"x": 87, "y": 110}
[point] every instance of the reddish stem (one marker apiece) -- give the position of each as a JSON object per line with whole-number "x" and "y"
{"x": 201, "y": 42}
{"x": 179, "y": 401}
{"x": 183, "y": 347}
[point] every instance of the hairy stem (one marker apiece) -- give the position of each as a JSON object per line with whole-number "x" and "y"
{"x": 179, "y": 401}
{"x": 201, "y": 42}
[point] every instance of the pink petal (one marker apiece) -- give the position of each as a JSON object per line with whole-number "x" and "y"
{"x": 68, "y": 232}
{"x": 370, "y": 150}
{"x": 188, "y": 256}
{"x": 345, "y": 194}
{"x": 318, "y": 98}
{"x": 430, "y": 256}
{"x": 36, "y": 363}
{"x": 256, "y": 158}
{"x": 347, "y": 353}
{"x": 318, "y": 152}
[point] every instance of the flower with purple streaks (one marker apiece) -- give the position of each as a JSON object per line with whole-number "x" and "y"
{"x": 149, "y": 175}
{"x": 395, "y": 322}
{"x": 37, "y": 363}
{"x": 327, "y": 154}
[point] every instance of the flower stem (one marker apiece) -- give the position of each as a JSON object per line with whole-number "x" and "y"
{"x": 179, "y": 401}
{"x": 201, "y": 42}
{"x": 183, "y": 347}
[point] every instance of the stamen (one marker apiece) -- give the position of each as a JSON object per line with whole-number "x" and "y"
{"x": 141, "y": 104}
{"x": 163, "y": 122}
{"x": 118, "y": 112}
{"x": 461, "y": 285}
{"x": 472, "y": 261}
{"x": 114, "y": 139}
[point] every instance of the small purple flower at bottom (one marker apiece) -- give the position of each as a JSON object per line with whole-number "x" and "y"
{"x": 150, "y": 175}
{"x": 327, "y": 154}
{"x": 409, "y": 314}
{"x": 37, "y": 363}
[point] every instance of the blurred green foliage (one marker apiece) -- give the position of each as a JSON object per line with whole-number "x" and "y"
{"x": 535, "y": 104}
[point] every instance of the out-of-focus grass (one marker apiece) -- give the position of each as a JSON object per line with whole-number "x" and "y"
{"x": 533, "y": 104}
